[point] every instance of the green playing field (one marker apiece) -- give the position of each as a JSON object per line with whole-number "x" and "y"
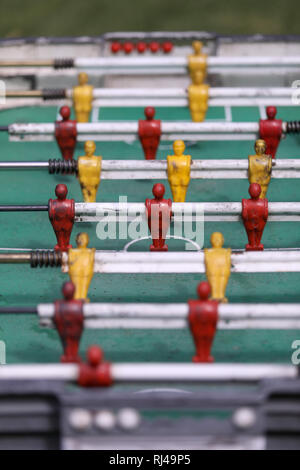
{"x": 26, "y": 341}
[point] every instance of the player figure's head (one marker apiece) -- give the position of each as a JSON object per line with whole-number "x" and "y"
{"x": 254, "y": 190}
{"x": 68, "y": 290}
{"x": 65, "y": 112}
{"x": 61, "y": 191}
{"x": 83, "y": 78}
{"x": 82, "y": 240}
{"x": 89, "y": 148}
{"x": 94, "y": 355}
{"x": 198, "y": 77}
{"x": 158, "y": 191}
{"x": 217, "y": 240}
{"x": 203, "y": 290}
{"x": 197, "y": 46}
{"x": 178, "y": 147}
{"x": 260, "y": 147}
{"x": 149, "y": 112}
{"x": 271, "y": 112}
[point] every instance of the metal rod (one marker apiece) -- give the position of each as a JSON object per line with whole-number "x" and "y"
{"x": 181, "y": 61}
{"x": 27, "y": 63}
{"x": 24, "y": 94}
{"x": 165, "y": 62}
{"x": 15, "y": 258}
{"x": 156, "y": 372}
{"x": 23, "y": 208}
{"x": 23, "y": 165}
{"x": 157, "y": 169}
{"x": 18, "y": 309}
{"x": 214, "y": 92}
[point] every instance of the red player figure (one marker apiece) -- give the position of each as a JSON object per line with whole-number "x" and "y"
{"x": 255, "y": 216}
{"x": 68, "y": 319}
{"x": 97, "y": 372}
{"x": 149, "y": 133}
{"x": 203, "y": 318}
{"x": 61, "y": 214}
{"x": 270, "y": 130}
{"x": 66, "y": 133}
{"x": 159, "y": 213}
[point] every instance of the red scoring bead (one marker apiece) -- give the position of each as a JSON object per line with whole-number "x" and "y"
{"x": 203, "y": 319}
{"x": 141, "y": 47}
{"x": 128, "y": 47}
{"x": 167, "y": 47}
{"x": 154, "y": 47}
{"x": 115, "y": 47}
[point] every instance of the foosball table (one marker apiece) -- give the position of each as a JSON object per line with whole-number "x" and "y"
{"x": 161, "y": 309}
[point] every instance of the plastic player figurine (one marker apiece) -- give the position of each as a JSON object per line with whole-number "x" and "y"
{"x": 96, "y": 372}
{"x": 69, "y": 321}
{"x": 159, "y": 213}
{"x": 217, "y": 265}
{"x": 89, "y": 172}
{"x": 61, "y": 214}
{"x": 255, "y": 216}
{"x": 66, "y": 133}
{"x": 270, "y": 130}
{"x": 81, "y": 265}
{"x": 260, "y": 167}
{"x": 179, "y": 169}
{"x": 203, "y": 318}
{"x": 149, "y": 133}
{"x": 198, "y": 94}
{"x": 197, "y": 61}
{"x": 83, "y": 98}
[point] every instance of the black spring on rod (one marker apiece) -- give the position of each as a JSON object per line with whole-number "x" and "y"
{"x": 293, "y": 127}
{"x": 54, "y": 94}
{"x": 45, "y": 258}
{"x": 67, "y": 167}
{"x": 63, "y": 63}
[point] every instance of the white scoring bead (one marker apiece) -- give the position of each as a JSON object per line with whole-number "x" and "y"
{"x": 80, "y": 419}
{"x": 129, "y": 418}
{"x": 105, "y": 420}
{"x": 244, "y": 418}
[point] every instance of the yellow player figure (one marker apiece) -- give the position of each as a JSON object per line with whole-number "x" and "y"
{"x": 198, "y": 94}
{"x": 197, "y": 61}
{"x": 260, "y": 167}
{"x": 89, "y": 172}
{"x": 218, "y": 266}
{"x": 81, "y": 265}
{"x": 83, "y": 98}
{"x": 179, "y": 169}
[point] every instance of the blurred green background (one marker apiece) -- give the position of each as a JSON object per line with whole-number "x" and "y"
{"x": 94, "y": 17}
